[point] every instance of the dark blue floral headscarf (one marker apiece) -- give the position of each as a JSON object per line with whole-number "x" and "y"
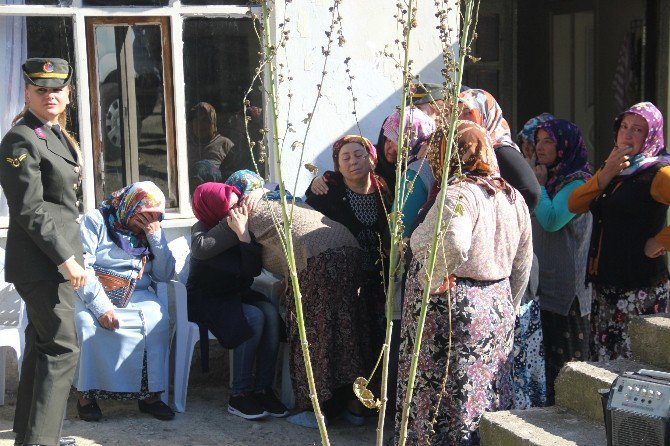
{"x": 248, "y": 181}
{"x": 571, "y": 154}
{"x": 528, "y": 130}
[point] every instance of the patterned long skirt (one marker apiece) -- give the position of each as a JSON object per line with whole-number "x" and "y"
{"x": 611, "y": 310}
{"x": 530, "y": 383}
{"x": 479, "y": 377}
{"x": 336, "y": 324}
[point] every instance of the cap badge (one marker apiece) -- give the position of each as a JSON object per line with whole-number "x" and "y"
{"x": 48, "y": 67}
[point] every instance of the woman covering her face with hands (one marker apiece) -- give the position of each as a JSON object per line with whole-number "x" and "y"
{"x": 123, "y": 348}
{"x": 628, "y": 197}
{"x": 221, "y": 301}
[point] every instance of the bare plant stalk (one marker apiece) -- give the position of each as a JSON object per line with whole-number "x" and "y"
{"x": 395, "y": 223}
{"x": 286, "y": 228}
{"x": 464, "y": 43}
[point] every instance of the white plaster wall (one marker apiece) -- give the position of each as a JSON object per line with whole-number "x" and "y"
{"x": 368, "y": 27}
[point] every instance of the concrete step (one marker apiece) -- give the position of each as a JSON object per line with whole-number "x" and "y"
{"x": 578, "y": 383}
{"x": 543, "y": 426}
{"x": 650, "y": 339}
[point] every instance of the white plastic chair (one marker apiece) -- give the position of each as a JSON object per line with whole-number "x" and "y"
{"x": 13, "y": 322}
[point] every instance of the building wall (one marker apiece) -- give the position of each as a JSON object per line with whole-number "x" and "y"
{"x": 368, "y": 28}
{"x": 613, "y": 18}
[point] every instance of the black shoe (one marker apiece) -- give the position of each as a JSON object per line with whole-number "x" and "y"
{"x": 271, "y": 403}
{"x": 89, "y": 412}
{"x": 158, "y": 409}
{"x": 246, "y": 406}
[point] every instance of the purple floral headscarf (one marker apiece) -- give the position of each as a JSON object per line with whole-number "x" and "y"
{"x": 571, "y": 154}
{"x": 528, "y": 130}
{"x": 653, "y": 149}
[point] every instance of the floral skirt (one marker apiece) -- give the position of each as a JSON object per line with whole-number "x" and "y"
{"x": 611, "y": 310}
{"x": 530, "y": 384}
{"x": 336, "y": 324}
{"x": 479, "y": 376}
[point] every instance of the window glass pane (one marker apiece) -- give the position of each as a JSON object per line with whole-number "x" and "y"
{"x": 220, "y": 58}
{"x": 131, "y": 110}
{"x": 125, "y": 2}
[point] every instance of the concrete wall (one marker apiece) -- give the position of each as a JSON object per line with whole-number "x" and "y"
{"x": 613, "y": 19}
{"x": 368, "y": 28}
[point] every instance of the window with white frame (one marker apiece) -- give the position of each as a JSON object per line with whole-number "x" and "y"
{"x": 137, "y": 76}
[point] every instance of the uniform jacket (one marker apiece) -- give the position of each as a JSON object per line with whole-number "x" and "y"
{"x": 40, "y": 178}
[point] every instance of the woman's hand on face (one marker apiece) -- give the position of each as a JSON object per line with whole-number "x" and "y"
{"x": 614, "y": 164}
{"x": 653, "y": 248}
{"x": 251, "y": 199}
{"x": 109, "y": 320}
{"x": 531, "y": 160}
{"x": 319, "y": 186}
{"x": 541, "y": 174}
{"x": 149, "y": 222}
{"x": 238, "y": 221}
{"x": 76, "y": 275}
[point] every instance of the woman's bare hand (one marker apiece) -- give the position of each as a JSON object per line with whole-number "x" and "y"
{"x": 541, "y": 174}
{"x": 653, "y": 248}
{"x": 617, "y": 161}
{"x": 251, "y": 199}
{"x": 238, "y": 221}
{"x": 109, "y": 320}
{"x": 76, "y": 275}
{"x": 319, "y": 186}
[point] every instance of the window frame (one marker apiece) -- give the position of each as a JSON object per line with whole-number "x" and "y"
{"x": 176, "y": 13}
{"x": 168, "y": 90}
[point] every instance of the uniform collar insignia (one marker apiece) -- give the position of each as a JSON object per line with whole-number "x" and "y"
{"x": 16, "y": 162}
{"x": 40, "y": 133}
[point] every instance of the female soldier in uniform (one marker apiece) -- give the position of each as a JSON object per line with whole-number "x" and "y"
{"x": 39, "y": 172}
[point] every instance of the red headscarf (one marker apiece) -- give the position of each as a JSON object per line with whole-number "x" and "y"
{"x": 211, "y": 202}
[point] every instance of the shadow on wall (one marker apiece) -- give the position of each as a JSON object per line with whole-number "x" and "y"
{"x": 371, "y": 123}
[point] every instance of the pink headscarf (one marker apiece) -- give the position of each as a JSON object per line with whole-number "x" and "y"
{"x": 211, "y": 202}
{"x": 418, "y": 125}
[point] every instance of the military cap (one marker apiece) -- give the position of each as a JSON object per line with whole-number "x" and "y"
{"x": 427, "y": 92}
{"x": 47, "y": 72}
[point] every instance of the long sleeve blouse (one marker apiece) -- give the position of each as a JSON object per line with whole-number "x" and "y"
{"x": 483, "y": 238}
{"x": 553, "y": 213}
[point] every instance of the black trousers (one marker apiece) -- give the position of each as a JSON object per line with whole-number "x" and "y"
{"x": 50, "y": 357}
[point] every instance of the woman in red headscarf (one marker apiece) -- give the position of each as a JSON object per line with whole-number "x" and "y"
{"x": 359, "y": 199}
{"x": 220, "y": 300}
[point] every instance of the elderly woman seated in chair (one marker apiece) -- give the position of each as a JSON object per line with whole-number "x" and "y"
{"x": 122, "y": 325}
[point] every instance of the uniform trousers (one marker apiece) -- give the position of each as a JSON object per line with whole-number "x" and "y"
{"x": 50, "y": 357}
